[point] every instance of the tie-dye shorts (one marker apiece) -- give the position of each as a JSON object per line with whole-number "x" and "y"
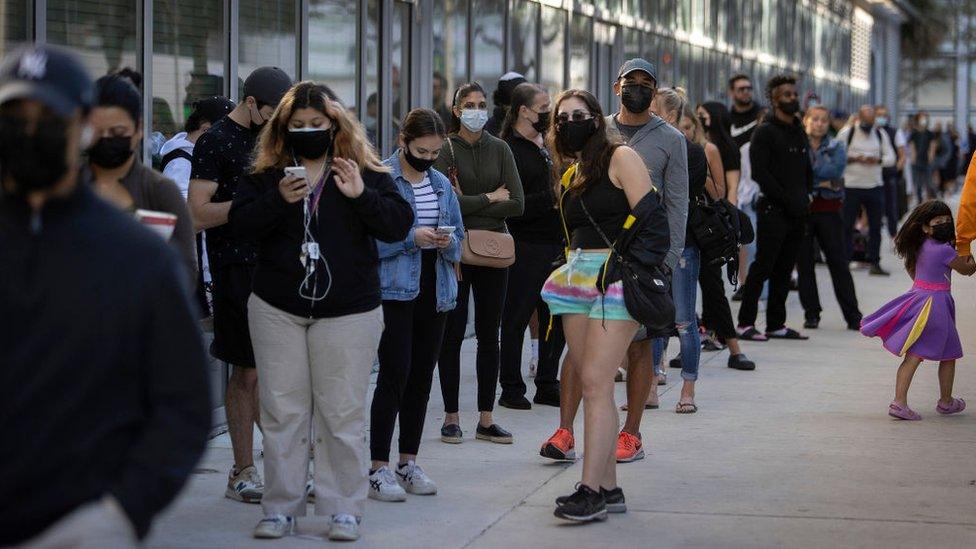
{"x": 571, "y": 289}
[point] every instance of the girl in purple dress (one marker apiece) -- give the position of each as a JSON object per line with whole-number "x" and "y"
{"x": 921, "y": 324}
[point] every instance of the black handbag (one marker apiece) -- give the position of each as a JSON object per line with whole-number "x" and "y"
{"x": 646, "y": 288}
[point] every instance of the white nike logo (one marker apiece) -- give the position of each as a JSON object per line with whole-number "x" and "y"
{"x": 736, "y": 132}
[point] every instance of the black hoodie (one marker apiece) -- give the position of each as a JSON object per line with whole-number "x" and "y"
{"x": 780, "y": 161}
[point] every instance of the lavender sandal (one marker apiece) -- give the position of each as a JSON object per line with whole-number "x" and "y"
{"x": 955, "y": 407}
{"x": 898, "y": 411}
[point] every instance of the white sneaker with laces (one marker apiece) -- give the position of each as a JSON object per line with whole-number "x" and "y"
{"x": 414, "y": 480}
{"x": 344, "y": 528}
{"x": 274, "y": 527}
{"x": 245, "y": 486}
{"x": 383, "y": 486}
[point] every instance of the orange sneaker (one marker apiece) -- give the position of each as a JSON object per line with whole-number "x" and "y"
{"x": 629, "y": 448}
{"x": 559, "y": 446}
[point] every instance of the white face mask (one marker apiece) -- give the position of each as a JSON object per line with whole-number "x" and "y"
{"x": 474, "y": 119}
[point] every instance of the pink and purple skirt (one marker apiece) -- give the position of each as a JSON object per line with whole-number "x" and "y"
{"x": 921, "y": 323}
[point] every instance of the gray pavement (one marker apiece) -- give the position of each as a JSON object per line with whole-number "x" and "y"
{"x": 799, "y": 453}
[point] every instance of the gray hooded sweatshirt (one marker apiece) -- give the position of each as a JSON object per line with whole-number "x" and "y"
{"x": 664, "y": 152}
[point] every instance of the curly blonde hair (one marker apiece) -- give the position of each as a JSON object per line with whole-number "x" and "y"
{"x": 351, "y": 142}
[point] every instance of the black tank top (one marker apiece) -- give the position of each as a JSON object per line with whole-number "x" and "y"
{"x": 606, "y": 203}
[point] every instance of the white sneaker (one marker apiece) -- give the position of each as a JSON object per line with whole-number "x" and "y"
{"x": 533, "y": 366}
{"x": 383, "y": 486}
{"x": 344, "y": 528}
{"x": 245, "y": 486}
{"x": 274, "y": 527}
{"x": 415, "y": 480}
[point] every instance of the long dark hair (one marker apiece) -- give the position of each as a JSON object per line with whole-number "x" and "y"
{"x": 522, "y": 96}
{"x": 718, "y": 132}
{"x": 462, "y": 92}
{"x": 908, "y": 241}
{"x": 421, "y": 123}
{"x": 121, "y": 89}
{"x": 594, "y": 159}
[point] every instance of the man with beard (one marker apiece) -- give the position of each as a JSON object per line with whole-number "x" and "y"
{"x": 744, "y": 111}
{"x": 780, "y": 161}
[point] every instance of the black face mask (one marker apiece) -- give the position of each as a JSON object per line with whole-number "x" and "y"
{"x": 310, "y": 144}
{"x": 34, "y": 162}
{"x": 791, "y": 107}
{"x": 944, "y": 232}
{"x": 111, "y": 152}
{"x": 543, "y": 122}
{"x": 417, "y": 163}
{"x": 636, "y": 99}
{"x": 256, "y": 128}
{"x": 704, "y": 125}
{"x": 573, "y": 134}
{"x": 866, "y": 127}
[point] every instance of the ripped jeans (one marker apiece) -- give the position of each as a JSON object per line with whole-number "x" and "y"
{"x": 684, "y": 290}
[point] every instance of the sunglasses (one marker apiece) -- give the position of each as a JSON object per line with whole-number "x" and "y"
{"x": 744, "y": 89}
{"x": 575, "y": 116}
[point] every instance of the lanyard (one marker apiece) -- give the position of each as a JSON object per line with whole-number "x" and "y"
{"x": 317, "y": 192}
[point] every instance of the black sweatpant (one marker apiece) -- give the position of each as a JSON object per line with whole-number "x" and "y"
{"x": 533, "y": 265}
{"x": 716, "y": 313}
{"x": 408, "y": 351}
{"x": 778, "y": 239}
{"x": 827, "y": 229}
{"x": 488, "y": 285}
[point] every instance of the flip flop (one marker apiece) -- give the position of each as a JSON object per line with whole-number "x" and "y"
{"x": 955, "y": 407}
{"x": 790, "y": 334}
{"x": 686, "y": 408}
{"x": 752, "y": 334}
{"x": 898, "y": 411}
{"x": 624, "y": 407}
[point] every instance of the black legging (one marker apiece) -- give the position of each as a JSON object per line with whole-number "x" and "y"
{"x": 488, "y": 285}
{"x": 408, "y": 352}
{"x": 716, "y": 313}
{"x": 533, "y": 265}
{"x": 827, "y": 229}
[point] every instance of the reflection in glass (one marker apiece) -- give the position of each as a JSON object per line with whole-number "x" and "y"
{"x": 370, "y": 115}
{"x": 102, "y": 33}
{"x": 332, "y": 53}
{"x": 524, "y": 21}
{"x": 450, "y": 27}
{"x": 267, "y": 36}
{"x": 580, "y": 41}
{"x": 16, "y": 21}
{"x": 400, "y": 70}
{"x": 488, "y": 43}
{"x": 553, "y": 49}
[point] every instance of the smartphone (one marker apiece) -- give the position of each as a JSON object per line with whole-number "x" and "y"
{"x": 296, "y": 171}
{"x": 446, "y": 230}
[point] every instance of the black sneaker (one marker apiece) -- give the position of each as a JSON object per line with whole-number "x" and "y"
{"x": 876, "y": 270}
{"x": 740, "y": 362}
{"x": 737, "y": 295}
{"x": 584, "y": 505}
{"x": 615, "y": 500}
{"x": 812, "y": 323}
{"x": 547, "y": 398}
{"x": 515, "y": 402}
{"x": 854, "y": 325}
{"x": 675, "y": 362}
{"x": 451, "y": 434}
{"x": 493, "y": 434}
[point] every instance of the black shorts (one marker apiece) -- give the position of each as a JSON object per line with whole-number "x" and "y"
{"x": 232, "y": 339}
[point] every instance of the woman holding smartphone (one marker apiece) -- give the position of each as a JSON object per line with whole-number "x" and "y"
{"x": 419, "y": 289}
{"x": 489, "y": 191}
{"x": 314, "y": 314}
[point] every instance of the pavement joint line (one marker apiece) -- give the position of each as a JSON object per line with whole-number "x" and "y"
{"x": 786, "y": 516}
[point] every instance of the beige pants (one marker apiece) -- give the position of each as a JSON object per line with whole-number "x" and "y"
{"x": 313, "y": 377}
{"x": 95, "y": 525}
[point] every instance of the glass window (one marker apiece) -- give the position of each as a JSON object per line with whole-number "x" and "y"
{"x": 102, "y": 33}
{"x": 400, "y": 69}
{"x": 267, "y": 36}
{"x": 488, "y": 43}
{"x": 16, "y": 22}
{"x": 524, "y": 22}
{"x": 580, "y": 42}
{"x": 188, "y": 59}
{"x": 553, "y": 49}
{"x": 371, "y": 72}
{"x": 450, "y": 27}
{"x": 632, "y": 44}
{"x": 332, "y": 52}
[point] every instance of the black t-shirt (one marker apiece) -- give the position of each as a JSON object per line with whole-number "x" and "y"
{"x": 697, "y": 173}
{"x": 539, "y": 222}
{"x": 223, "y": 155}
{"x": 922, "y": 141}
{"x": 743, "y": 124}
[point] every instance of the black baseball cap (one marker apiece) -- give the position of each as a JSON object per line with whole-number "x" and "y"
{"x": 48, "y": 74}
{"x": 637, "y": 64}
{"x": 267, "y": 85}
{"x": 213, "y": 109}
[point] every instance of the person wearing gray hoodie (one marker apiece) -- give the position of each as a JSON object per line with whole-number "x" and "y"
{"x": 663, "y": 149}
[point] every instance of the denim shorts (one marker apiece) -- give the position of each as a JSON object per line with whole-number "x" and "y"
{"x": 571, "y": 289}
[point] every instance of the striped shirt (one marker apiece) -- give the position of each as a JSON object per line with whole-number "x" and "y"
{"x": 424, "y": 197}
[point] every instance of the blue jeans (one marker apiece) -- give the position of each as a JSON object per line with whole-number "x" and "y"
{"x": 684, "y": 290}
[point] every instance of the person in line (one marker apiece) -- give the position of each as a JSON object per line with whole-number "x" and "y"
{"x": 966, "y": 217}
{"x": 314, "y": 315}
{"x": 891, "y": 175}
{"x": 115, "y": 170}
{"x": 922, "y": 146}
{"x": 716, "y": 312}
{"x": 110, "y": 421}
{"x": 489, "y": 191}
{"x": 610, "y": 179}
{"x": 780, "y": 161}
{"x": 745, "y": 114}
{"x": 921, "y": 324}
{"x": 662, "y": 147}
{"x": 825, "y": 225}
{"x": 948, "y": 159}
{"x": 419, "y": 288}
{"x": 221, "y": 157}
{"x": 502, "y": 98}
{"x": 869, "y": 150}
{"x": 538, "y": 244}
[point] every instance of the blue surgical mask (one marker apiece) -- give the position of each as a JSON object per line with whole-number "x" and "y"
{"x": 882, "y": 120}
{"x": 474, "y": 119}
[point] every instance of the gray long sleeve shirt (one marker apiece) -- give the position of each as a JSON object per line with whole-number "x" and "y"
{"x": 663, "y": 149}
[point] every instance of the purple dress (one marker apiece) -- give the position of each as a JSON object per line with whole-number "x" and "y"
{"x": 921, "y": 322}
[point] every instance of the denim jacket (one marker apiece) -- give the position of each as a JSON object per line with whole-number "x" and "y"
{"x": 400, "y": 261}
{"x": 829, "y": 161}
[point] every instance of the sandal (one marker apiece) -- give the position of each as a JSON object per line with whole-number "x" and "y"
{"x": 957, "y": 405}
{"x": 686, "y": 408}
{"x": 898, "y": 411}
{"x": 647, "y": 406}
{"x": 790, "y": 334}
{"x": 751, "y": 334}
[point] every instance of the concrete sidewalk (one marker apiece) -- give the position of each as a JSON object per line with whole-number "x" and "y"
{"x": 799, "y": 453}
